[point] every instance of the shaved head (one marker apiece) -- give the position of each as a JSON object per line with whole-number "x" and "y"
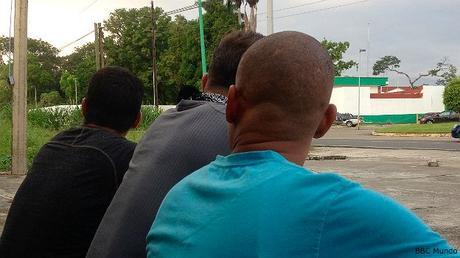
{"x": 286, "y": 78}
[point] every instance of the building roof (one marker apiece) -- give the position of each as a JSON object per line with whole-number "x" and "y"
{"x": 363, "y": 81}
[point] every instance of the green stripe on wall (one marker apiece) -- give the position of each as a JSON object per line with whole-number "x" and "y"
{"x": 390, "y": 119}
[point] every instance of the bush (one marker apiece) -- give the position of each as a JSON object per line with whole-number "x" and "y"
{"x": 452, "y": 95}
{"x": 6, "y": 112}
{"x": 50, "y": 99}
{"x": 5, "y": 93}
{"x": 149, "y": 114}
{"x": 55, "y": 118}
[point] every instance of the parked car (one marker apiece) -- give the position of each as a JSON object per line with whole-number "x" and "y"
{"x": 445, "y": 116}
{"x": 456, "y": 131}
{"x": 346, "y": 119}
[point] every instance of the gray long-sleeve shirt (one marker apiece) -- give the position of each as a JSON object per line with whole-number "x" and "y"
{"x": 179, "y": 142}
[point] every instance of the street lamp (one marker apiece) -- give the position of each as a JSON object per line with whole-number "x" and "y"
{"x": 359, "y": 87}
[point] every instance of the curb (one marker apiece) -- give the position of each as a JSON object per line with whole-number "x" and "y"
{"x": 379, "y": 148}
{"x": 412, "y": 134}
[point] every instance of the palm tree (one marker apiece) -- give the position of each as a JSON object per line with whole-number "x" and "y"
{"x": 250, "y": 22}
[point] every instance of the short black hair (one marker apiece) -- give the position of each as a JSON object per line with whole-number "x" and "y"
{"x": 114, "y": 98}
{"x": 188, "y": 92}
{"x": 227, "y": 56}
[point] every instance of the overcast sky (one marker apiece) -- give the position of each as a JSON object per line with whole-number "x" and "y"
{"x": 419, "y": 32}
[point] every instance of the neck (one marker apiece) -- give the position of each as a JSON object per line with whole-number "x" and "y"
{"x": 216, "y": 89}
{"x": 110, "y": 130}
{"x": 293, "y": 150}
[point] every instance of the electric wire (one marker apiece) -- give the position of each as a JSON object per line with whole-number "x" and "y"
{"x": 317, "y": 10}
{"x": 75, "y": 41}
{"x": 10, "y": 76}
{"x": 297, "y": 6}
{"x": 87, "y": 7}
{"x": 323, "y": 9}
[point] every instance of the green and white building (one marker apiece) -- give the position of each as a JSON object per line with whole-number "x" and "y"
{"x": 380, "y": 103}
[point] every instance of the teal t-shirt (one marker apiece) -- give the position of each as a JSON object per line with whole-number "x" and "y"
{"x": 258, "y": 204}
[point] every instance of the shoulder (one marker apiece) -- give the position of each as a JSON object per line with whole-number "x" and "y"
{"x": 359, "y": 218}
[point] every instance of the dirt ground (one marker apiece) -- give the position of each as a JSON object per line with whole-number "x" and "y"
{"x": 433, "y": 193}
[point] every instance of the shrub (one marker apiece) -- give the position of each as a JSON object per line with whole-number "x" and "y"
{"x": 55, "y": 118}
{"x": 149, "y": 114}
{"x": 452, "y": 95}
{"x": 6, "y": 112}
{"x": 50, "y": 99}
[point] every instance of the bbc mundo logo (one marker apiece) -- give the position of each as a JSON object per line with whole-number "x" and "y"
{"x": 435, "y": 250}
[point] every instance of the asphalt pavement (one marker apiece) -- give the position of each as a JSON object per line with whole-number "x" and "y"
{"x": 344, "y": 137}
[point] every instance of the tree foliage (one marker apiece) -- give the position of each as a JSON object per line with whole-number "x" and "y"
{"x": 241, "y": 6}
{"x": 5, "y": 88}
{"x": 43, "y": 65}
{"x": 336, "y": 51}
{"x": 452, "y": 95}
{"x": 82, "y": 65}
{"x": 50, "y": 99}
{"x": 443, "y": 70}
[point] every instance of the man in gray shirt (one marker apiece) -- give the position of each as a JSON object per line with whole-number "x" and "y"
{"x": 179, "y": 142}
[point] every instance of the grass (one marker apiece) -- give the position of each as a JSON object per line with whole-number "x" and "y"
{"x": 42, "y": 126}
{"x": 441, "y": 128}
{"x": 36, "y": 137}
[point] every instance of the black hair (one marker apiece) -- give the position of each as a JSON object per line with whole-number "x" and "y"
{"x": 227, "y": 56}
{"x": 114, "y": 98}
{"x": 188, "y": 92}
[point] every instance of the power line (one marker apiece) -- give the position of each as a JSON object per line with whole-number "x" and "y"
{"x": 323, "y": 9}
{"x": 297, "y": 6}
{"x": 182, "y": 9}
{"x": 75, "y": 41}
{"x": 88, "y": 6}
{"x": 319, "y": 10}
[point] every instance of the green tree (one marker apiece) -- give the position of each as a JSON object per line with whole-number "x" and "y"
{"x": 129, "y": 41}
{"x": 452, "y": 95}
{"x": 249, "y": 21}
{"x": 43, "y": 65}
{"x": 336, "y": 51}
{"x": 81, "y": 64}
{"x": 50, "y": 99}
{"x": 69, "y": 84}
{"x": 391, "y": 63}
{"x": 5, "y": 88}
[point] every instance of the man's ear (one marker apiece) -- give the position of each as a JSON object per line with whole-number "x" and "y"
{"x": 204, "y": 82}
{"x": 138, "y": 120}
{"x": 326, "y": 121}
{"x": 231, "y": 111}
{"x": 84, "y": 107}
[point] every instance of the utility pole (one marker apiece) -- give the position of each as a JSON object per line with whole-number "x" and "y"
{"x": 269, "y": 17}
{"x": 203, "y": 50}
{"x": 97, "y": 46}
{"x": 154, "y": 56}
{"x": 76, "y": 90}
{"x": 359, "y": 88}
{"x": 19, "y": 130}
{"x": 101, "y": 45}
{"x": 368, "y": 47}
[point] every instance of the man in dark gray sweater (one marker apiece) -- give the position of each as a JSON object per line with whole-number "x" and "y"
{"x": 180, "y": 141}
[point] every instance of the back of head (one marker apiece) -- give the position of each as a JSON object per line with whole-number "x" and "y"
{"x": 113, "y": 99}
{"x": 227, "y": 56}
{"x": 286, "y": 78}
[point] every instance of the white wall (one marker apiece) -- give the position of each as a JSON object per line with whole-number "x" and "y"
{"x": 346, "y": 100}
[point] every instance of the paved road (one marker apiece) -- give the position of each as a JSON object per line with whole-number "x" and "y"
{"x": 351, "y": 138}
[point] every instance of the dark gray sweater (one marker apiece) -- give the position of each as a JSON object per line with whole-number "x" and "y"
{"x": 179, "y": 142}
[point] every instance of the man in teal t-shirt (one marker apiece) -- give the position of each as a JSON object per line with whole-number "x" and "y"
{"x": 259, "y": 201}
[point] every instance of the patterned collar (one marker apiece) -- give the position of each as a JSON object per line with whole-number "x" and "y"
{"x": 212, "y": 97}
